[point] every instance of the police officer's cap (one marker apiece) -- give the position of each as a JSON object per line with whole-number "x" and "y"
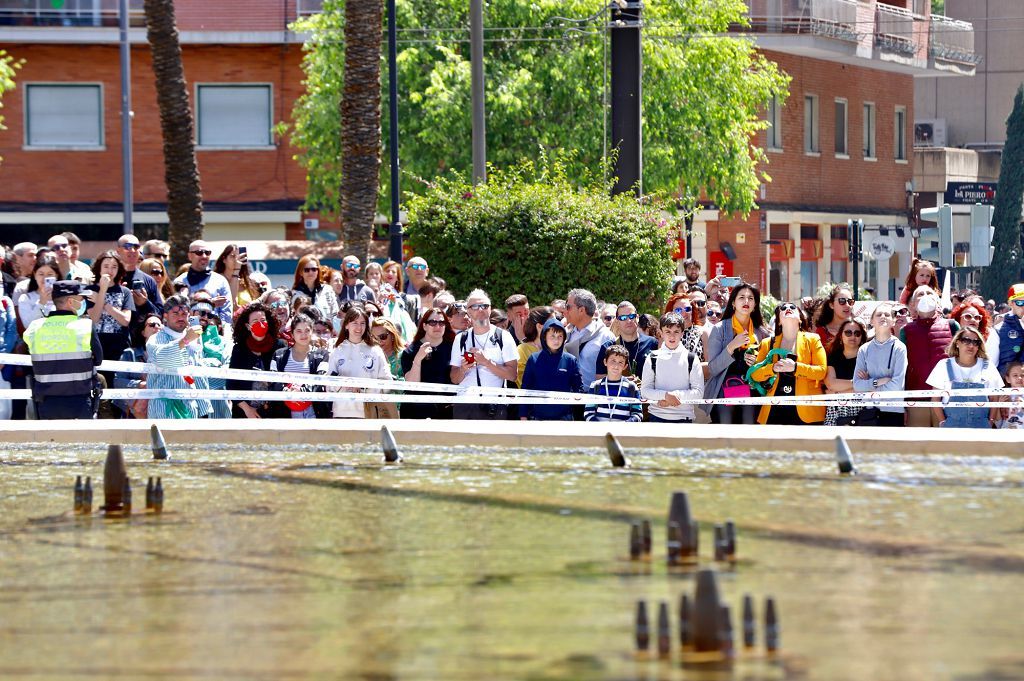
{"x": 63, "y": 289}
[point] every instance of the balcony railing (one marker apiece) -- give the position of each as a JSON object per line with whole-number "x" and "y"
{"x": 306, "y": 7}
{"x": 952, "y": 40}
{"x": 829, "y": 18}
{"x": 894, "y": 29}
{"x": 69, "y": 13}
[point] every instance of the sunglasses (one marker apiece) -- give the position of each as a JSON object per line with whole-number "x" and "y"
{"x": 976, "y": 317}
{"x": 154, "y": 325}
{"x": 902, "y": 312}
{"x": 206, "y": 314}
{"x": 970, "y": 341}
{"x": 714, "y": 313}
{"x": 850, "y": 333}
{"x": 277, "y": 303}
{"x": 785, "y": 306}
{"x": 680, "y": 310}
{"x": 609, "y": 317}
{"x": 845, "y": 301}
{"x": 352, "y": 266}
{"x": 201, "y": 252}
{"x": 418, "y": 267}
{"x": 382, "y": 336}
{"x": 700, "y": 303}
{"x": 159, "y": 255}
{"x": 1019, "y": 303}
{"x": 310, "y": 269}
{"x": 157, "y": 273}
{"x": 434, "y": 322}
{"x": 61, "y": 247}
{"x": 628, "y": 317}
{"x": 130, "y": 246}
{"x": 480, "y": 306}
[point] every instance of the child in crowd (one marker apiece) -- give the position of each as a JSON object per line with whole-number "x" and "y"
{"x": 672, "y": 374}
{"x": 616, "y": 361}
{"x": 551, "y": 369}
{"x": 1011, "y": 416}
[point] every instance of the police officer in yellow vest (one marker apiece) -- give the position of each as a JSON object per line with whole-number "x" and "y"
{"x": 65, "y": 352}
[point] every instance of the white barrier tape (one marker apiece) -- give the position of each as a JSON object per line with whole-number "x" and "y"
{"x": 508, "y": 398}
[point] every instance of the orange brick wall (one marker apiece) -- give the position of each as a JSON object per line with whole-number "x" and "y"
{"x": 799, "y": 179}
{"x": 91, "y": 176}
{"x": 234, "y": 15}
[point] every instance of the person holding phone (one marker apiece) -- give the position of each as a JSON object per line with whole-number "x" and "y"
{"x": 800, "y": 372}
{"x": 200, "y": 277}
{"x": 37, "y": 302}
{"x": 482, "y": 355}
{"x": 233, "y": 265}
{"x": 730, "y": 352}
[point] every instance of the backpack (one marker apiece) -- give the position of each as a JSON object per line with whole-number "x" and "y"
{"x": 495, "y": 338}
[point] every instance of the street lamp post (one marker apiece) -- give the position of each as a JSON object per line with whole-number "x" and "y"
{"x": 395, "y": 230}
{"x": 126, "y": 118}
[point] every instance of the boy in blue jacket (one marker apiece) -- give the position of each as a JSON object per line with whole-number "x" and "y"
{"x": 554, "y": 370}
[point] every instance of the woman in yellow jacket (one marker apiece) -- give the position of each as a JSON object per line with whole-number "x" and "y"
{"x": 799, "y": 372}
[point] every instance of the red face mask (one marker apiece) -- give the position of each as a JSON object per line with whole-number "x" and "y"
{"x": 259, "y": 328}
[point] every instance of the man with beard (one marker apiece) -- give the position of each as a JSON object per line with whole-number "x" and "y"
{"x": 176, "y": 345}
{"x": 483, "y": 356}
{"x": 352, "y": 287}
{"x": 145, "y": 292}
{"x": 637, "y": 343}
{"x": 199, "y": 277}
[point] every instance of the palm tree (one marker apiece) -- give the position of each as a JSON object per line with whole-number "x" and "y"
{"x": 360, "y": 124}
{"x": 184, "y": 198}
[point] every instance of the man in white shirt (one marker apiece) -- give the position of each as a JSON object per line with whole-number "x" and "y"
{"x": 482, "y": 355}
{"x": 588, "y": 334}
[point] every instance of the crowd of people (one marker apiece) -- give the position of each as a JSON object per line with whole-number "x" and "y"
{"x": 399, "y": 323}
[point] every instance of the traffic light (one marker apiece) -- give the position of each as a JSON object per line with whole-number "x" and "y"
{"x": 982, "y": 232}
{"x": 936, "y": 243}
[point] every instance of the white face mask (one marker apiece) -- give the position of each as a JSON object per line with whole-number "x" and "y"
{"x": 927, "y": 305}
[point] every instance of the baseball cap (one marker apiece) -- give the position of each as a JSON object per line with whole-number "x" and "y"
{"x": 1016, "y": 292}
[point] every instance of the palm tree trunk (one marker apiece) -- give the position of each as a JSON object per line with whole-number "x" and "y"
{"x": 360, "y": 124}
{"x": 184, "y": 198}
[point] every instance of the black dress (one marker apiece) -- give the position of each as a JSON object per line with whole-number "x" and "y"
{"x": 434, "y": 369}
{"x": 244, "y": 358}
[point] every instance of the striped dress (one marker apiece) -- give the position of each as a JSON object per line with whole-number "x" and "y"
{"x": 162, "y": 350}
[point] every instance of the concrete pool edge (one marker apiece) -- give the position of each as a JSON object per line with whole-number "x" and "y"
{"x": 912, "y": 441}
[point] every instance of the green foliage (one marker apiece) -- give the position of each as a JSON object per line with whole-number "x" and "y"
{"x": 703, "y": 89}
{"x": 8, "y": 69}
{"x": 938, "y": 6}
{"x": 531, "y": 230}
{"x": 1005, "y": 269}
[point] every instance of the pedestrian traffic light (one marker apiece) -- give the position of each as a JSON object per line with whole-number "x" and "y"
{"x": 982, "y": 233}
{"x": 936, "y": 243}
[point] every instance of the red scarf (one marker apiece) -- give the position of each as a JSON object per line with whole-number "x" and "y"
{"x": 262, "y": 346}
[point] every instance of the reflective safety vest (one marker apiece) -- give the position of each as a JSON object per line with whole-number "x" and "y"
{"x": 61, "y": 349}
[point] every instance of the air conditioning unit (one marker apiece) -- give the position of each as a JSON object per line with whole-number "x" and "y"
{"x": 311, "y": 224}
{"x": 930, "y": 132}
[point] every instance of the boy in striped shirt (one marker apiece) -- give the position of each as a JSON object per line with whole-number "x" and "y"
{"x": 616, "y": 360}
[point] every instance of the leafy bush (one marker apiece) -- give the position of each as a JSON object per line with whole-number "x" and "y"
{"x": 529, "y": 230}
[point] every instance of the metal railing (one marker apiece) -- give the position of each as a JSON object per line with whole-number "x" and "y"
{"x": 306, "y": 7}
{"x": 829, "y": 18}
{"x": 69, "y": 13}
{"x": 894, "y": 29}
{"x": 952, "y": 40}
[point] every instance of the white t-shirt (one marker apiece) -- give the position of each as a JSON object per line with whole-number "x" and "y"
{"x": 939, "y": 377}
{"x": 499, "y": 354}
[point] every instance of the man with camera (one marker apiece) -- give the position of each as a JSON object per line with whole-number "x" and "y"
{"x": 483, "y": 356}
{"x": 145, "y": 292}
{"x": 174, "y": 346}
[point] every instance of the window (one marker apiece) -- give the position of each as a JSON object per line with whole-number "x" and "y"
{"x": 841, "y": 148}
{"x": 869, "y": 130}
{"x": 234, "y": 116}
{"x": 811, "y": 124}
{"x": 63, "y": 116}
{"x": 900, "y": 134}
{"x": 774, "y": 123}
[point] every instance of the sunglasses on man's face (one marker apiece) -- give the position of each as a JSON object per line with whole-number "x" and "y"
{"x": 201, "y": 252}
{"x": 276, "y": 304}
{"x": 1019, "y": 303}
{"x": 418, "y": 267}
{"x": 609, "y": 317}
{"x": 130, "y": 246}
{"x": 902, "y": 312}
{"x": 699, "y": 303}
{"x": 628, "y": 317}
{"x": 714, "y": 313}
{"x": 480, "y": 306}
{"x": 352, "y": 266}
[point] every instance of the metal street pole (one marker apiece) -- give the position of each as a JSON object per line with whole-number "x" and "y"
{"x": 395, "y": 247}
{"x": 126, "y": 118}
{"x": 476, "y": 56}
{"x": 626, "y": 81}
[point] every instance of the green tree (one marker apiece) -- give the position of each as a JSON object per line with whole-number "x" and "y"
{"x": 531, "y": 230}
{"x": 8, "y": 69}
{"x": 181, "y": 174}
{"x": 938, "y": 6}
{"x": 704, "y": 90}
{"x": 1006, "y": 260}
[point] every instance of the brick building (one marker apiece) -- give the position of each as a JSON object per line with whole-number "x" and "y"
{"x": 841, "y": 146}
{"x": 62, "y": 150}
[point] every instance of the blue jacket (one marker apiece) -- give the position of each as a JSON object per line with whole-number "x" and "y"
{"x": 1011, "y": 341}
{"x": 556, "y": 371}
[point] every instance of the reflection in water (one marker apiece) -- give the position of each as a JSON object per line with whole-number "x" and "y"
{"x": 469, "y": 564}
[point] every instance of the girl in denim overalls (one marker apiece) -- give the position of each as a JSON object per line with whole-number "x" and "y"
{"x": 1012, "y": 415}
{"x": 967, "y": 368}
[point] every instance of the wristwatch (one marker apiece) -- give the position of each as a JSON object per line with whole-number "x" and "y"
{"x": 874, "y": 383}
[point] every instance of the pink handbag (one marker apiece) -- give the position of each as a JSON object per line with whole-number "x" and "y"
{"x": 735, "y": 387}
